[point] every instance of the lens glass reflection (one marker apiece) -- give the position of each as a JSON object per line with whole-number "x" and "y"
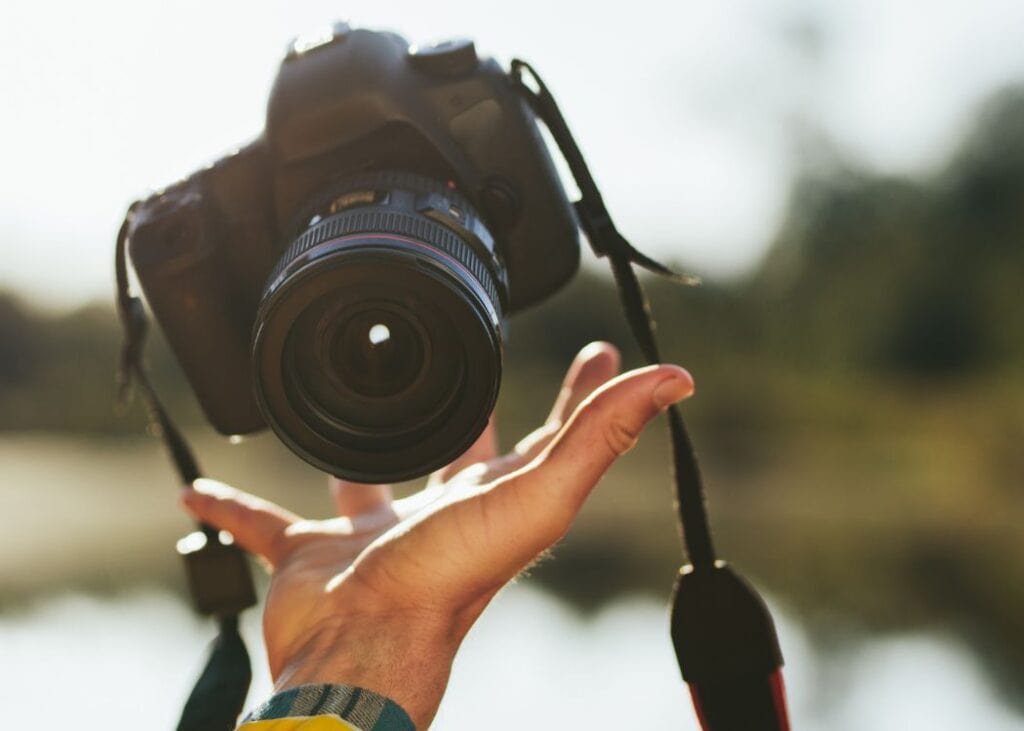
{"x": 377, "y": 354}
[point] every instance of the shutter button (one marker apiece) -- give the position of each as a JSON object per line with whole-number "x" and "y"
{"x": 446, "y": 58}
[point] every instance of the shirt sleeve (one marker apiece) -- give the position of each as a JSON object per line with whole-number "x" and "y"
{"x": 328, "y": 708}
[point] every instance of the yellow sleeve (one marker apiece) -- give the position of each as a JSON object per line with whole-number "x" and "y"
{"x": 326, "y": 707}
{"x": 300, "y": 723}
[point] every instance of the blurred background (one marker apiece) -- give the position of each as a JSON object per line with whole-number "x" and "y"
{"x": 846, "y": 175}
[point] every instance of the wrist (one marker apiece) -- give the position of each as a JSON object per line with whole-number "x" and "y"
{"x": 406, "y": 659}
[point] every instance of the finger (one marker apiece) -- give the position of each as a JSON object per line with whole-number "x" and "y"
{"x": 593, "y": 366}
{"x": 357, "y": 498}
{"x": 256, "y": 524}
{"x": 521, "y": 515}
{"x": 406, "y": 507}
{"x": 604, "y": 426}
{"x": 483, "y": 449}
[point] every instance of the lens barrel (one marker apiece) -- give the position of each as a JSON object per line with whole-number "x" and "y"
{"x": 377, "y": 343}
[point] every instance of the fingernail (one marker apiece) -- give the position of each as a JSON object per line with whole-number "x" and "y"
{"x": 206, "y": 487}
{"x": 672, "y": 390}
{"x": 189, "y": 495}
{"x": 593, "y": 349}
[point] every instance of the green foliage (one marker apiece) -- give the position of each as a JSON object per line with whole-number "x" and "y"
{"x": 917, "y": 277}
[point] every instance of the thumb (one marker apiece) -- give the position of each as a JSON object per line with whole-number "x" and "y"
{"x": 256, "y": 524}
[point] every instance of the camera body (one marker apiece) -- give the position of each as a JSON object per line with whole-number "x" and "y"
{"x": 348, "y": 104}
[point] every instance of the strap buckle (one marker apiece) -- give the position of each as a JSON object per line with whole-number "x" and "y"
{"x": 219, "y": 579}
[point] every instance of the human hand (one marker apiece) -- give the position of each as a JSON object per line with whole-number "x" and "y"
{"x": 381, "y": 596}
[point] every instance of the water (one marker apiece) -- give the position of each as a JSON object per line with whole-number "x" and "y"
{"x": 82, "y": 519}
{"x": 530, "y": 662}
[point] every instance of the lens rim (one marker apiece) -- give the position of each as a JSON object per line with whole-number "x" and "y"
{"x": 290, "y": 290}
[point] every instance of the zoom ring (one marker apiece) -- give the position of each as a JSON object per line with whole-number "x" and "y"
{"x": 382, "y": 221}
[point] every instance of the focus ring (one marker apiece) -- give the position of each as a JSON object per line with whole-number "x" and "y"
{"x": 383, "y": 221}
{"x": 379, "y": 180}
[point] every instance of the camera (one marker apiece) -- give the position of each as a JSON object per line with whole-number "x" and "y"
{"x": 344, "y": 279}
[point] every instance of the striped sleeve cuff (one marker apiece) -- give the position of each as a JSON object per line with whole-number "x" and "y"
{"x": 366, "y": 710}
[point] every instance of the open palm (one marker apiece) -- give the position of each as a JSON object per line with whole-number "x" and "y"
{"x": 382, "y": 595}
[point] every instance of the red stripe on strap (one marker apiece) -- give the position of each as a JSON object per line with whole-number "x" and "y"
{"x": 779, "y": 695}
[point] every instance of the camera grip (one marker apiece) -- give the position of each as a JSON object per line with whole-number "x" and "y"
{"x": 172, "y": 248}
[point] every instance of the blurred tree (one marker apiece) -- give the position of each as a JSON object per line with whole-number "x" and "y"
{"x": 19, "y": 346}
{"x": 912, "y": 277}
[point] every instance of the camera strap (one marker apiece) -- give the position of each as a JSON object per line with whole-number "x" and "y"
{"x": 218, "y": 574}
{"x": 722, "y": 632}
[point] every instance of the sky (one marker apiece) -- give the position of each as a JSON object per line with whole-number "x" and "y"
{"x": 691, "y": 114}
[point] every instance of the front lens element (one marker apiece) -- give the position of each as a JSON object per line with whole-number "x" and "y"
{"x": 377, "y": 353}
{"x": 377, "y": 345}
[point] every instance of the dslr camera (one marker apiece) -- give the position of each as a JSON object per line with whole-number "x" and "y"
{"x": 344, "y": 279}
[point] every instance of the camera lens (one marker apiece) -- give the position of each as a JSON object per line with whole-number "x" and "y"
{"x": 355, "y": 366}
{"x": 377, "y": 344}
{"x": 377, "y": 353}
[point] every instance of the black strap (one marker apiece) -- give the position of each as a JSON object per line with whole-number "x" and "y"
{"x": 218, "y": 696}
{"x": 131, "y": 371}
{"x": 721, "y": 630}
{"x": 605, "y": 239}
